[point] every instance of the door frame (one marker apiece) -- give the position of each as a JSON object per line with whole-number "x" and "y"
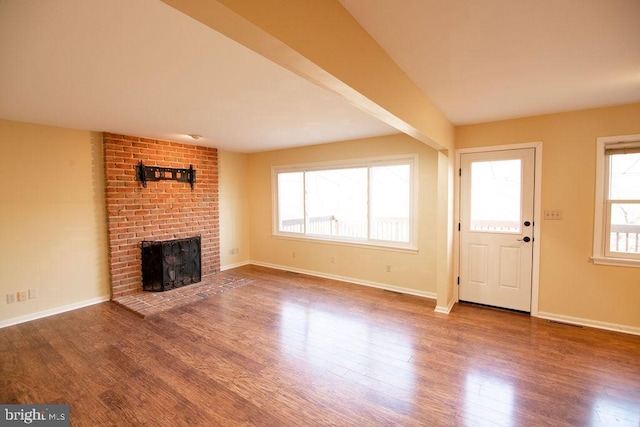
{"x": 537, "y": 218}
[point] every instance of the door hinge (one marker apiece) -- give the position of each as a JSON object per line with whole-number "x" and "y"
{"x": 460, "y": 172}
{"x": 458, "y": 226}
{"x": 458, "y": 280}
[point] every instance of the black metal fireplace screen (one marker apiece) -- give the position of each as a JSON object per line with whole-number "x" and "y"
{"x": 170, "y": 264}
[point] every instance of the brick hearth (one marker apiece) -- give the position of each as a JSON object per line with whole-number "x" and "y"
{"x": 149, "y": 303}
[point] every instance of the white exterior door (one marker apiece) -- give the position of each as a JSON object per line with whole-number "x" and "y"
{"x": 496, "y": 228}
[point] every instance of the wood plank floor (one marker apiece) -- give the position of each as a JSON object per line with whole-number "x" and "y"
{"x": 293, "y": 350}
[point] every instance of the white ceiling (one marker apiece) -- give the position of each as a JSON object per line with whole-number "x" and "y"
{"x": 490, "y": 60}
{"x": 139, "y": 67}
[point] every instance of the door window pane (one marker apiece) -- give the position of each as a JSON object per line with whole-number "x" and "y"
{"x": 496, "y": 196}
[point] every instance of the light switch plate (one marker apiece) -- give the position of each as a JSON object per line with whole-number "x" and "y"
{"x": 553, "y": 214}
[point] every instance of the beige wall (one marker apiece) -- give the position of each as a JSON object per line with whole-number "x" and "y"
{"x": 415, "y": 272}
{"x": 52, "y": 218}
{"x": 570, "y": 284}
{"x": 53, "y": 232}
{"x": 234, "y": 209}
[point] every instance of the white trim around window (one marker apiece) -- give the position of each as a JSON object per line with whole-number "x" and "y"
{"x": 305, "y": 212}
{"x": 602, "y": 253}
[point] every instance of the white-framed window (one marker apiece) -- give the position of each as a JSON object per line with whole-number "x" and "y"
{"x": 617, "y": 208}
{"x": 364, "y": 201}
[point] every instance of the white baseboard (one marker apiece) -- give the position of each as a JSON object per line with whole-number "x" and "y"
{"x": 53, "y": 311}
{"x": 237, "y": 264}
{"x": 387, "y": 287}
{"x": 633, "y": 330}
{"x": 447, "y": 309}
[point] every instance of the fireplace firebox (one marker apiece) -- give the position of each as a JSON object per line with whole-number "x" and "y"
{"x": 170, "y": 264}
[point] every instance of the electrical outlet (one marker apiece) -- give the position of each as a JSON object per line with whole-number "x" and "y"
{"x": 11, "y": 298}
{"x": 293, "y": 254}
{"x": 333, "y": 260}
{"x": 388, "y": 269}
{"x": 33, "y": 293}
{"x": 23, "y": 295}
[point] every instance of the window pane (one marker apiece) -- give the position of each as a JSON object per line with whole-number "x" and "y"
{"x": 624, "y": 180}
{"x": 291, "y": 202}
{"x": 390, "y": 204}
{"x": 625, "y": 228}
{"x": 495, "y": 196}
{"x": 337, "y": 202}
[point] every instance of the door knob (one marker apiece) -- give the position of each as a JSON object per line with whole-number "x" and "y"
{"x": 526, "y": 239}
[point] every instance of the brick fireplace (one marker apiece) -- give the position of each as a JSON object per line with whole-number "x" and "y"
{"x": 163, "y": 210}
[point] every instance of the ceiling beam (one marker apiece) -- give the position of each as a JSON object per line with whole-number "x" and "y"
{"x": 323, "y": 43}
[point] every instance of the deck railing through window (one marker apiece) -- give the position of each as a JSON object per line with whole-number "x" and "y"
{"x": 387, "y": 228}
{"x": 625, "y": 238}
{"x": 493, "y": 226}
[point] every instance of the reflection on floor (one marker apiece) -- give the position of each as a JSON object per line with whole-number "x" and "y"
{"x": 293, "y": 350}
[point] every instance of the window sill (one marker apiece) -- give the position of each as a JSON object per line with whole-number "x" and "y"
{"x": 619, "y": 262}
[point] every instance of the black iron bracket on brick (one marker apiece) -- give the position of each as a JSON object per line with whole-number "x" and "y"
{"x": 145, "y": 174}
